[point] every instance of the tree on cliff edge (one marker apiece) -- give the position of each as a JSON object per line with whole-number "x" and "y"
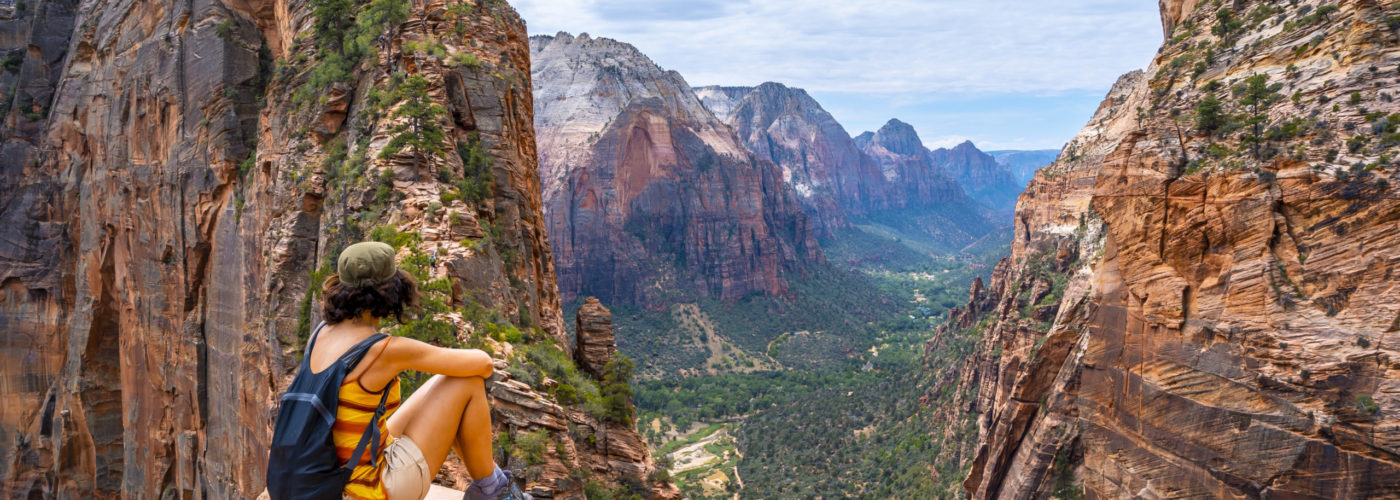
{"x": 419, "y": 130}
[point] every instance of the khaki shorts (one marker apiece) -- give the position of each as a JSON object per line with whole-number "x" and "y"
{"x": 405, "y": 474}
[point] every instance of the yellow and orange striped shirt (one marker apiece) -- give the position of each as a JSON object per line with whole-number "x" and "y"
{"x": 357, "y": 406}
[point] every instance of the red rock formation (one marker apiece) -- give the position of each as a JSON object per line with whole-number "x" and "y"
{"x": 595, "y": 346}
{"x": 169, "y": 205}
{"x": 1189, "y": 311}
{"x": 649, "y": 197}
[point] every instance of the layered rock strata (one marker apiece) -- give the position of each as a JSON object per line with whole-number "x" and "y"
{"x": 177, "y": 179}
{"x": 595, "y": 345}
{"x": 1200, "y": 301}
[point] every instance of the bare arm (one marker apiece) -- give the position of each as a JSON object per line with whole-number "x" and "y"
{"x": 408, "y": 354}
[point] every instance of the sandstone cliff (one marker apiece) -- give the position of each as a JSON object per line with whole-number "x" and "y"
{"x": 648, "y": 196}
{"x": 1200, "y": 301}
{"x": 980, "y": 175}
{"x": 832, "y": 177}
{"x": 177, "y": 179}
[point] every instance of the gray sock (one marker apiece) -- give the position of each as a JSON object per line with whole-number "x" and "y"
{"x": 491, "y": 483}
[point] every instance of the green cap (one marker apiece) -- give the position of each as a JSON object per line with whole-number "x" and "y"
{"x": 366, "y": 264}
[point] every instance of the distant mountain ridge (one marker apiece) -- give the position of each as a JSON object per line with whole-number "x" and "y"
{"x": 840, "y": 178}
{"x": 985, "y": 180}
{"x": 832, "y": 177}
{"x": 655, "y": 191}
{"x": 648, "y": 197}
{"x": 1024, "y": 163}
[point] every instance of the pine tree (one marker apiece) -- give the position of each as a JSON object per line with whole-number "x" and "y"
{"x": 617, "y": 389}
{"x": 1257, "y": 96}
{"x": 420, "y": 130}
{"x": 1209, "y": 115}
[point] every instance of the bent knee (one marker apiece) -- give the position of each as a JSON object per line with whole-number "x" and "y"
{"x": 467, "y": 384}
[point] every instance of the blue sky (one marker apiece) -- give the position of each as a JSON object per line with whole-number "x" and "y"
{"x": 1005, "y": 74}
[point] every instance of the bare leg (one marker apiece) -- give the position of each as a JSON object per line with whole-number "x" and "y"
{"x": 449, "y": 413}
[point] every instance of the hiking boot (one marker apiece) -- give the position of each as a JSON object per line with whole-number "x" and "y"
{"x": 507, "y": 490}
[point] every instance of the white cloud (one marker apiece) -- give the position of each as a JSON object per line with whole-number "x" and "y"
{"x": 946, "y": 141}
{"x": 1009, "y": 74}
{"x": 875, "y": 47}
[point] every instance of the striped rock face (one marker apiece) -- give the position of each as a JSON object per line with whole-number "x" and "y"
{"x": 1201, "y": 299}
{"x": 178, "y": 178}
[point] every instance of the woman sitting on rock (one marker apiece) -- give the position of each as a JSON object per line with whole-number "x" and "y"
{"x": 350, "y": 364}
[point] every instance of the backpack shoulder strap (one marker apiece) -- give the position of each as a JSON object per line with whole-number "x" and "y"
{"x": 311, "y": 342}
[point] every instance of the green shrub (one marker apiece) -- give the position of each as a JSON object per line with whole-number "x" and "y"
{"x": 1209, "y": 115}
{"x": 1357, "y": 142}
{"x": 532, "y": 446}
{"x": 565, "y": 394}
{"x": 476, "y": 170}
{"x": 1367, "y": 404}
{"x": 420, "y": 131}
{"x": 344, "y": 34}
{"x": 466, "y": 59}
{"x": 14, "y": 61}
{"x": 1226, "y": 24}
{"x": 594, "y": 490}
{"x": 225, "y": 28}
{"x": 392, "y": 236}
{"x": 617, "y": 390}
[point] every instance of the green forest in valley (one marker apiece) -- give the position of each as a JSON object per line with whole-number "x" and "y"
{"x": 724, "y": 390}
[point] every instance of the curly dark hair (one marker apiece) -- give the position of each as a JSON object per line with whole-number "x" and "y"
{"x": 391, "y": 298}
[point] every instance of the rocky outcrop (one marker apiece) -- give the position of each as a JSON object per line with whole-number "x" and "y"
{"x": 178, "y": 179}
{"x": 980, "y": 175}
{"x": 1199, "y": 302}
{"x": 1173, "y": 12}
{"x": 586, "y": 445}
{"x": 648, "y": 196}
{"x": 595, "y": 345}
{"x": 831, "y": 176}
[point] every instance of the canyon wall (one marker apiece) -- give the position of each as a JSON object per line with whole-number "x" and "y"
{"x": 178, "y": 179}
{"x": 1201, "y": 299}
{"x": 648, "y": 197}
